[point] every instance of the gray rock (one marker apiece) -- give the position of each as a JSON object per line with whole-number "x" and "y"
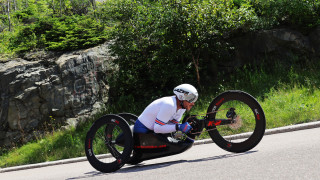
{"x": 44, "y": 86}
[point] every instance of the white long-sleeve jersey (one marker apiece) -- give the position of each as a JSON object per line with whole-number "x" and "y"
{"x": 162, "y": 115}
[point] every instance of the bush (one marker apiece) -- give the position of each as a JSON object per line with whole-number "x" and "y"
{"x": 24, "y": 40}
{"x": 162, "y": 44}
{"x": 302, "y": 14}
{"x": 75, "y": 32}
{"x": 25, "y": 15}
{"x": 59, "y": 33}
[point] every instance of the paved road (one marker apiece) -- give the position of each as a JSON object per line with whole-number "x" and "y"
{"x": 291, "y": 155}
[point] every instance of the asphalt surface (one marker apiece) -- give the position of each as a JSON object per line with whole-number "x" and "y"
{"x": 199, "y": 142}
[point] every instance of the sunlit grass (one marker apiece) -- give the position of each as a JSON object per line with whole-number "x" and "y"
{"x": 245, "y": 114}
{"x": 287, "y": 106}
{"x": 58, "y": 145}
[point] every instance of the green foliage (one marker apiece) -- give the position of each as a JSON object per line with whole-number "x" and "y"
{"x": 24, "y": 40}
{"x": 52, "y": 25}
{"x": 4, "y": 43}
{"x": 165, "y": 43}
{"x": 166, "y": 32}
{"x": 74, "y": 7}
{"x": 59, "y": 33}
{"x": 302, "y": 14}
{"x": 72, "y": 32}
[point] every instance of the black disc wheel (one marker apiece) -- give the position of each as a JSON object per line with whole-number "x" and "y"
{"x": 247, "y": 125}
{"x": 130, "y": 118}
{"x": 109, "y": 143}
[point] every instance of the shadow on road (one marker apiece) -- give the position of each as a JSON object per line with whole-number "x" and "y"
{"x": 222, "y": 156}
{"x": 143, "y": 167}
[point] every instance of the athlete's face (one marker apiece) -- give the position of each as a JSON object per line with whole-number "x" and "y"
{"x": 188, "y": 105}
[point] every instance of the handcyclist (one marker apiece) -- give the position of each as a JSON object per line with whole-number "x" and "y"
{"x": 163, "y": 115}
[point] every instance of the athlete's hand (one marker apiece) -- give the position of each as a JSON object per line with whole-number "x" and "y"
{"x": 185, "y": 127}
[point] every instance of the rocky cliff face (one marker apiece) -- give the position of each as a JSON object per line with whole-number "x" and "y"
{"x": 43, "y": 87}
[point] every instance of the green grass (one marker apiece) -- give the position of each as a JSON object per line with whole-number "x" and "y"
{"x": 291, "y": 106}
{"x": 59, "y": 145}
{"x": 287, "y": 96}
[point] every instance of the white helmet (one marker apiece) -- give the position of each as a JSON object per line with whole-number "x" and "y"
{"x": 186, "y": 92}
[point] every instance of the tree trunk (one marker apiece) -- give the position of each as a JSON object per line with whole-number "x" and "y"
{"x": 196, "y": 65}
{"x": 8, "y": 12}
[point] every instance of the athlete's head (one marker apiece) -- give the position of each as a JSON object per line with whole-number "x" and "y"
{"x": 187, "y": 94}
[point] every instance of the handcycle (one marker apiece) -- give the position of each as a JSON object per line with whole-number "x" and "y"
{"x": 110, "y": 143}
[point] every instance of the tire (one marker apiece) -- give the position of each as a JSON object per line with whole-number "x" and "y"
{"x": 250, "y": 119}
{"x": 130, "y": 118}
{"x": 109, "y": 143}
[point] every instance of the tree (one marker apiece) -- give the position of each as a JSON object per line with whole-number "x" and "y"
{"x": 169, "y": 42}
{"x": 8, "y": 12}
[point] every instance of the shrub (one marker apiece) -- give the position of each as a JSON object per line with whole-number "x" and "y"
{"x": 59, "y": 33}
{"x": 75, "y": 32}
{"x": 162, "y": 44}
{"x": 302, "y": 14}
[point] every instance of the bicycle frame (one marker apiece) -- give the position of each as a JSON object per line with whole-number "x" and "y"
{"x": 152, "y": 145}
{"x": 210, "y": 123}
